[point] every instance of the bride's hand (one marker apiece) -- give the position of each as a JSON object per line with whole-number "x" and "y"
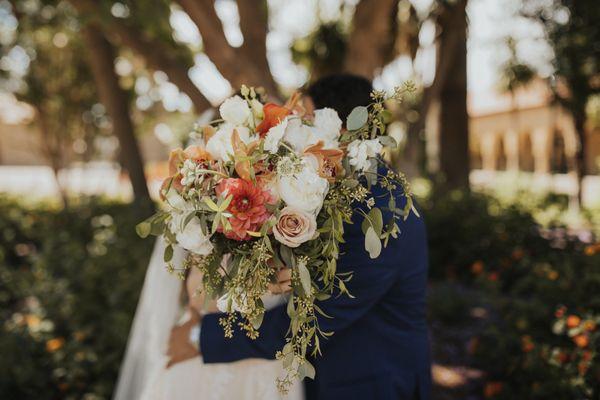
{"x": 284, "y": 282}
{"x": 180, "y": 349}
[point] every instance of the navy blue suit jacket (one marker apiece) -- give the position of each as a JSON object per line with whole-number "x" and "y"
{"x": 380, "y": 349}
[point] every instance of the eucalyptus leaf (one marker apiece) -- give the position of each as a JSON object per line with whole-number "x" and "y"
{"x": 372, "y": 243}
{"x": 304, "y": 277}
{"x": 357, "y": 118}
{"x": 168, "y": 255}
{"x": 376, "y": 218}
{"x": 388, "y": 141}
{"x": 143, "y": 229}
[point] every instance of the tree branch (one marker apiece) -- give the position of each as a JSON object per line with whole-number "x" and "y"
{"x": 254, "y": 24}
{"x": 156, "y": 55}
{"x": 369, "y": 42}
{"x": 101, "y": 61}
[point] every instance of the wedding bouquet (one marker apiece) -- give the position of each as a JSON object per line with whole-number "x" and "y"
{"x": 270, "y": 187}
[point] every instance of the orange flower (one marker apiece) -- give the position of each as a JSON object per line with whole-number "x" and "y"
{"x": 573, "y": 321}
{"x": 589, "y": 325}
{"x": 518, "y": 253}
{"x": 54, "y": 344}
{"x": 526, "y": 344}
{"x": 563, "y": 357}
{"x": 477, "y": 267}
{"x": 492, "y": 389}
{"x": 329, "y": 161}
{"x": 274, "y": 114}
{"x": 242, "y": 152}
{"x": 581, "y": 341}
{"x": 592, "y": 249}
{"x": 248, "y": 207}
{"x": 176, "y": 158}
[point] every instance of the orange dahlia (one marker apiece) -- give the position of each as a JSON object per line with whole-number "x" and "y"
{"x": 248, "y": 207}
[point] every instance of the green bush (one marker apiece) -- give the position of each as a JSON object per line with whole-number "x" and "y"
{"x": 523, "y": 274}
{"x": 69, "y": 283}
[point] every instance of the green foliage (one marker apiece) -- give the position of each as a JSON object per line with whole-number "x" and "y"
{"x": 520, "y": 280}
{"x": 69, "y": 282}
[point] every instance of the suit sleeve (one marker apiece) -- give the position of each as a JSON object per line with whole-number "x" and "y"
{"x": 215, "y": 348}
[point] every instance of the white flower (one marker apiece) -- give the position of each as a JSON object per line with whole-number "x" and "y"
{"x": 190, "y": 172}
{"x": 297, "y": 134}
{"x": 305, "y": 190}
{"x": 235, "y": 111}
{"x": 190, "y": 236}
{"x": 361, "y": 152}
{"x": 174, "y": 199}
{"x": 300, "y": 136}
{"x": 274, "y": 136}
{"x": 327, "y": 124}
{"x": 220, "y": 146}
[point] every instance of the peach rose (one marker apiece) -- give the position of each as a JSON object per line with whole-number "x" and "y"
{"x": 294, "y": 227}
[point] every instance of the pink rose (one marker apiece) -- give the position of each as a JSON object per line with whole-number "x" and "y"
{"x": 294, "y": 227}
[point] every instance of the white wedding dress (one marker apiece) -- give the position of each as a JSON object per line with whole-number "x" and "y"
{"x": 143, "y": 375}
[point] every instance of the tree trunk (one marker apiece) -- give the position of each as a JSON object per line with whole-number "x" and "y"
{"x": 412, "y": 159}
{"x": 454, "y": 120}
{"x": 101, "y": 57}
{"x": 371, "y": 40}
{"x": 53, "y": 150}
{"x": 579, "y": 119}
{"x": 254, "y": 24}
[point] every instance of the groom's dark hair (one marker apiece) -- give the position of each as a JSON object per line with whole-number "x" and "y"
{"x": 342, "y": 92}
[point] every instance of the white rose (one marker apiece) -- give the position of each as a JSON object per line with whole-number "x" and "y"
{"x": 274, "y": 136}
{"x": 294, "y": 227}
{"x": 220, "y": 146}
{"x": 305, "y": 190}
{"x": 235, "y": 111}
{"x": 191, "y": 236}
{"x": 360, "y": 152}
{"x": 327, "y": 124}
{"x": 297, "y": 134}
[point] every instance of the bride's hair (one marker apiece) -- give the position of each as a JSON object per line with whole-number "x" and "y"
{"x": 342, "y": 92}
